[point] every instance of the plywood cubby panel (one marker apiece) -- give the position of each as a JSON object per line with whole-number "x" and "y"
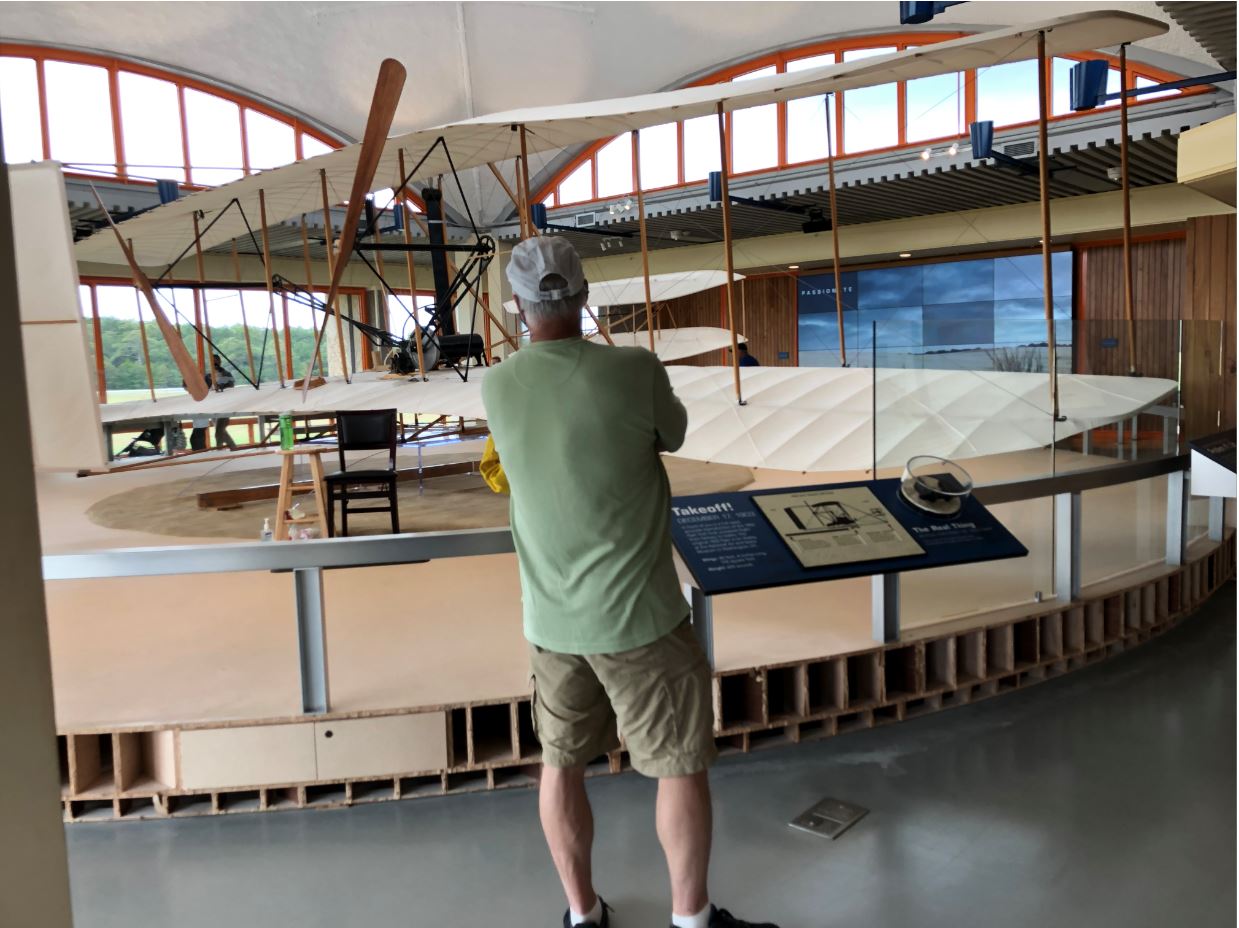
{"x": 864, "y": 678}
{"x": 90, "y": 766}
{"x": 145, "y": 761}
{"x": 376, "y": 747}
{"x": 999, "y": 650}
{"x": 527, "y": 738}
{"x": 827, "y": 686}
{"x": 940, "y": 664}
{"x": 222, "y": 758}
{"x": 969, "y": 657}
{"x": 741, "y": 699}
{"x": 786, "y": 693}
{"x": 903, "y": 672}
{"x": 491, "y": 738}
{"x": 1025, "y": 642}
{"x": 1074, "y": 641}
{"x": 1050, "y": 642}
{"x": 1112, "y": 608}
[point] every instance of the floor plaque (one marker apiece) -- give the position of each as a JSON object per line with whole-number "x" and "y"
{"x": 829, "y": 818}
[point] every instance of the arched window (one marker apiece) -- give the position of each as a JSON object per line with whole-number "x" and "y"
{"x": 921, "y": 112}
{"x": 109, "y": 117}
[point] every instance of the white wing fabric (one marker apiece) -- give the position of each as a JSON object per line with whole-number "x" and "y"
{"x": 801, "y": 419}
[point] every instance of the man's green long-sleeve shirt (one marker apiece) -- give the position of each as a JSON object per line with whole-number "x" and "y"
{"x": 579, "y": 427}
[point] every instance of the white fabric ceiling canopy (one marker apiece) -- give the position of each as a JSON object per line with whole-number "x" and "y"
{"x": 162, "y": 234}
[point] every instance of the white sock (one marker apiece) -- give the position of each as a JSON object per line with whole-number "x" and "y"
{"x": 700, "y": 920}
{"x": 593, "y": 916}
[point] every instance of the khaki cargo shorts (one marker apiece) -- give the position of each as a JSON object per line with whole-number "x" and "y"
{"x": 658, "y": 695}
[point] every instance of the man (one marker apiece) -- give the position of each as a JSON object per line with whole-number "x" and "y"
{"x": 746, "y": 359}
{"x": 219, "y": 379}
{"x": 579, "y": 427}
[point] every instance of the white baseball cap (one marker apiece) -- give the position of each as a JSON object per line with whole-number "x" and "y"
{"x": 534, "y": 259}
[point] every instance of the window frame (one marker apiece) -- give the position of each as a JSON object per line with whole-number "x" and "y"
{"x": 780, "y": 60}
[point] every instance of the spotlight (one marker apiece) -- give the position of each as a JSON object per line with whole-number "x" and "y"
{"x": 925, "y": 154}
{"x": 905, "y": 254}
{"x": 954, "y": 149}
{"x": 793, "y": 267}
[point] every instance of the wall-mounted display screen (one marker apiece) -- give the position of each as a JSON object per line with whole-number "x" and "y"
{"x": 981, "y": 314}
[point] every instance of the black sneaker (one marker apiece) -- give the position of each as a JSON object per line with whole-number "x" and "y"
{"x": 721, "y": 918}
{"x": 604, "y": 922}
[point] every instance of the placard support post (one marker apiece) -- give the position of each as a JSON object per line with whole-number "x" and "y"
{"x": 885, "y": 607}
{"x": 703, "y": 619}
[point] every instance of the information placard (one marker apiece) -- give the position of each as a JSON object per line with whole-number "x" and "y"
{"x": 836, "y": 526}
{"x": 730, "y": 545}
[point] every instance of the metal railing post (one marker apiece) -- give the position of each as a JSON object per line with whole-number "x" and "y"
{"x": 1177, "y": 499}
{"x": 885, "y": 607}
{"x": 312, "y": 639}
{"x": 1067, "y": 553}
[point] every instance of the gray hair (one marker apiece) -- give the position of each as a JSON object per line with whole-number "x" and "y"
{"x": 567, "y": 309}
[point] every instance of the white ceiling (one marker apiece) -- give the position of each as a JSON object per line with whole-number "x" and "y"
{"x": 467, "y": 59}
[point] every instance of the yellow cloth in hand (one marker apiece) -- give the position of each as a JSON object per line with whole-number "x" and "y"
{"x": 492, "y": 470}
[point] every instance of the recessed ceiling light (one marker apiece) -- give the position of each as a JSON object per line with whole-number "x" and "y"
{"x": 793, "y": 267}
{"x": 905, "y": 254}
{"x": 925, "y": 154}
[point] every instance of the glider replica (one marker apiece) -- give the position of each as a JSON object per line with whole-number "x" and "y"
{"x": 785, "y": 418}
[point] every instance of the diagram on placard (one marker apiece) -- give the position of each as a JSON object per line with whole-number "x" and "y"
{"x": 824, "y": 527}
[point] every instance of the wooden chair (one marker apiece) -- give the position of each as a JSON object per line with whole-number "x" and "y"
{"x": 371, "y": 430}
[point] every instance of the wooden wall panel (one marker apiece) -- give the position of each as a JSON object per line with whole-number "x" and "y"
{"x": 1209, "y": 326}
{"x": 1101, "y": 336}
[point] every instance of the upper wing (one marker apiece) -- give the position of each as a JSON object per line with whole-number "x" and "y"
{"x": 675, "y": 344}
{"x": 161, "y": 234}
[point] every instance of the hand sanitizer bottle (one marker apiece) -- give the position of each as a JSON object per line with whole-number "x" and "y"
{"x": 266, "y": 534}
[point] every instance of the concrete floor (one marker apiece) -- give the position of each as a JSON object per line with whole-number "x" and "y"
{"x": 1103, "y": 798}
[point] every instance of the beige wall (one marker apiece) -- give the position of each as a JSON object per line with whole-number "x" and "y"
{"x": 34, "y": 875}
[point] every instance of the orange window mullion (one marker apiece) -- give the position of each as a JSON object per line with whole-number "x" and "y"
{"x": 970, "y": 98}
{"x": 44, "y": 127}
{"x": 180, "y": 101}
{"x": 117, "y": 139}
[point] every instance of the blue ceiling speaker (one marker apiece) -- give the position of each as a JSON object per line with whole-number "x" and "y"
{"x": 1088, "y": 84}
{"x": 982, "y": 134}
{"x": 716, "y": 186}
{"x": 168, "y": 190}
{"x": 913, "y": 14}
{"x": 537, "y": 213}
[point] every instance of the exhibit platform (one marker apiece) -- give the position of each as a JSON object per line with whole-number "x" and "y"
{"x": 179, "y": 695}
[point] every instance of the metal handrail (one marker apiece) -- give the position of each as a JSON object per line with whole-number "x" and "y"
{"x": 386, "y": 550}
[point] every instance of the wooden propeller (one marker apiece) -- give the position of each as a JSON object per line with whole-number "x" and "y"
{"x": 378, "y": 125}
{"x": 195, "y": 383}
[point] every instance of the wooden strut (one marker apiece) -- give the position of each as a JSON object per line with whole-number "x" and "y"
{"x": 645, "y": 246}
{"x": 146, "y": 351}
{"x": 266, "y": 266}
{"x": 1043, "y": 116}
{"x": 378, "y": 124}
{"x": 724, "y": 162}
{"x": 1129, "y": 300}
{"x": 309, "y": 273}
{"x": 533, "y": 230}
{"x": 245, "y": 326}
{"x": 331, "y": 270}
{"x": 208, "y": 366}
{"x": 834, "y": 230}
{"x": 412, "y": 271}
{"x": 195, "y": 383}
